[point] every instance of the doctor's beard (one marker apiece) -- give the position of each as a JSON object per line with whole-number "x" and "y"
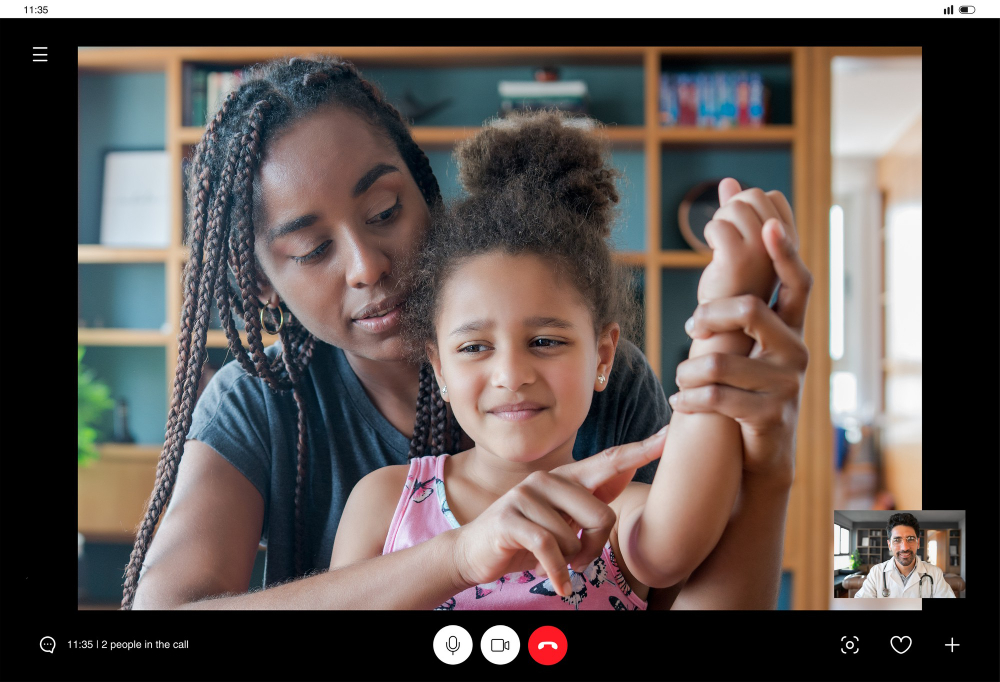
{"x": 904, "y": 561}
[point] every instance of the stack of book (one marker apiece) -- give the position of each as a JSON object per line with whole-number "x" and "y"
{"x": 205, "y": 88}
{"x": 712, "y": 100}
{"x": 523, "y": 95}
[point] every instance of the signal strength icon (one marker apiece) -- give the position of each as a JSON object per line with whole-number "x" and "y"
{"x": 949, "y": 10}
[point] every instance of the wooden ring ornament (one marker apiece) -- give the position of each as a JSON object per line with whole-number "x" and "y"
{"x": 696, "y": 210}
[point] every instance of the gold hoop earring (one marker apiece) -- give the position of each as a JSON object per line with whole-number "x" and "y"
{"x": 281, "y": 321}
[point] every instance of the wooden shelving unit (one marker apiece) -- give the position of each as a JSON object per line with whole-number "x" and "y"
{"x": 654, "y": 261}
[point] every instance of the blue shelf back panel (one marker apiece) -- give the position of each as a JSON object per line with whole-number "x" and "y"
{"x": 137, "y": 374}
{"x": 638, "y": 282}
{"x": 616, "y": 92}
{"x": 679, "y": 289}
{"x": 123, "y": 296}
{"x": 629, "y": 233}
{"x": 446, "y": 171}
{"x": 117, "y": 111}
{"x": 684, "y": 167}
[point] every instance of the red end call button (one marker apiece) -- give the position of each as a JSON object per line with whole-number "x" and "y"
{"x": 547, "y": 645}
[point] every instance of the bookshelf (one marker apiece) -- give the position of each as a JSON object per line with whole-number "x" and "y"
{"x": 877, "y": 551}
{"x": 143, "y": 88}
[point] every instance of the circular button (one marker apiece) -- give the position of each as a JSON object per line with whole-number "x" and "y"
{"x": 500, "y": 645}
{"x": 452, "y": 644}
{"x": 547, "y": 645}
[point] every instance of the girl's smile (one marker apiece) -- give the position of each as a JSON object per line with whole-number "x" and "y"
{"x": 518, "y": 352}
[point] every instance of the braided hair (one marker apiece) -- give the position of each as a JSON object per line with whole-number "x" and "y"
{"x": 222, "y": 264}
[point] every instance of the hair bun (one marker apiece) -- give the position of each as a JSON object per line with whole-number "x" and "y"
{"x": 546, "y": 157}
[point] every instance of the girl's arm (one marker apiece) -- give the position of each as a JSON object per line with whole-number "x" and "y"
{"x": 693, "y": 493}
{"x": 665, "y": 536}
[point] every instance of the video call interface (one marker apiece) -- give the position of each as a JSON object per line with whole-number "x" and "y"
{"x": 834, "y": 115}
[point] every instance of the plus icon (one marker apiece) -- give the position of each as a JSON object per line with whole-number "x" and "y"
{"x": 953, "y": 645}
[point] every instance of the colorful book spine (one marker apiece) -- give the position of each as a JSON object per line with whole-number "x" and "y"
{"x": 706, "y": 101}
{"x": 756, "y": 100}
{"x": 742, "y": 100}
{"x": 725, "y": 93}
{"x": 687, "y": 100}
{"x": 668, "y": 100}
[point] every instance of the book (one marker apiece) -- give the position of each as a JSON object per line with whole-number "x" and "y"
{"x": 522, "y": 95}
{"x": 687, "y": 100}
{"x": 864, "y": 542}
{"x": 668, "y": 100}
{"x": 199, "y": 83}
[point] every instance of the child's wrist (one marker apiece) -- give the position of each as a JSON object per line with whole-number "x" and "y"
{"x": 455, "y": 555}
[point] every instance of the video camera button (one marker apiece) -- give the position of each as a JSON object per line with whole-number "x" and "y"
{"x": 500, "y": 645}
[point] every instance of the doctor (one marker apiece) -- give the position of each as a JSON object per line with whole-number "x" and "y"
{"x": 904, "y": 575}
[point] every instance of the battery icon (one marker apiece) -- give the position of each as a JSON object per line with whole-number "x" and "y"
{"x": 966, "y": 9}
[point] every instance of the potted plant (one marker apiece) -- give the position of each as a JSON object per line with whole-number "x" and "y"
{"x": 855, "y": 561}
{"x": 95, "y": 401}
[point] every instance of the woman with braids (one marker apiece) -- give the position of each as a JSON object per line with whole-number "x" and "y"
{"x": 308, "y": 198}
{"x": 520, "y": 306}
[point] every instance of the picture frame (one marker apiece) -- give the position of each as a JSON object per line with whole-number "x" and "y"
{"x": 135, "y": 206}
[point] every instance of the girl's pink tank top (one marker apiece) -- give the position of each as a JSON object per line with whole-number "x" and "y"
{"x": 423, "y": 512}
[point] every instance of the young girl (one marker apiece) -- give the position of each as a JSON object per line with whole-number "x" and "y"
{"x": 520, "y": 307}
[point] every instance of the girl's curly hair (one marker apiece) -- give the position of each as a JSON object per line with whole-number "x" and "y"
{"x": 537, "y": 183}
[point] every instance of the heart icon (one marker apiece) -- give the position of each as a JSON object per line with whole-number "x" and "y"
{"x": 899, "y": 648}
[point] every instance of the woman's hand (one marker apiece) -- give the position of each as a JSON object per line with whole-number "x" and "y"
{"x": 534, "y": 526}
{"x": 762, "y": 391}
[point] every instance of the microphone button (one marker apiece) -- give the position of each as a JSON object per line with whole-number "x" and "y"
{"x": 452, "y": 644}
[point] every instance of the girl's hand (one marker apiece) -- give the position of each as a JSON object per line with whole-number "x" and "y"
{"x": 534, "y": 526}
{"x": 762, "y": 391}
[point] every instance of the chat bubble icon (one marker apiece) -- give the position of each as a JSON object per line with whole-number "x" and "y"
{"x": 48, "y": 645}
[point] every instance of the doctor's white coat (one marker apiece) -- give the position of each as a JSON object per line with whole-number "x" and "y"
{"x": 874, "y": 582}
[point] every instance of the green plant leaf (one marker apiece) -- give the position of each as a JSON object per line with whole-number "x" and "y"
{"x": 94, "y": 401}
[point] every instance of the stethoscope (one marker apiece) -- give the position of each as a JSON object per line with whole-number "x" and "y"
{"x": 920, "y": 584}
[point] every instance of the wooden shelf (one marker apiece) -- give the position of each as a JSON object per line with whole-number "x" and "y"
{"x": 129, "y": 452}
{"x": 95, "y": 253}
{"x": 121, "y": 337}
{"x": 216, "y": 338}
{"x": 442, "y": 136}
{"x": 764, "y": 135}
{"x": 157, "y": 58}
{"x": 683, "y": 259}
